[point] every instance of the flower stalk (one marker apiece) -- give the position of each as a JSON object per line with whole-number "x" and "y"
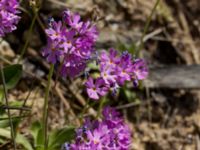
{"x": 45, "y": 109}
{"x": 9, "y": 113}
{"x": 28, "y": 38}
{"x": 146, "y": 27}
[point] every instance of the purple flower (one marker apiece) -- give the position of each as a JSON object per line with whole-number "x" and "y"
{"x": 102, "y": 136}
{"x": 95, "y": 89}
{"x": 111, "y": 59}
{"x": 121, "y": 136}
{"x": 140, "y": 69}
{"x": 107, "y": 74}
{"x": 110, "y": 113}
{"x": 84, "y": 48}
{"x": 8, "y": 16}
{"x": 117, "y": 69}
{"x": 112, "y": 117}
{"x": 74, "y": 42}
{"x": 96, "y": 137}
{"x": 124, "y": 69}
{"x": 72, "y": 65}
{"x": 56, "y": 31}
{"x": 73, "y": 20}
{"x": 108, "y": 64}
{"x": 52, "y": 52}
{"x": 68, "y": 42}
{"x": 89, "y": 31}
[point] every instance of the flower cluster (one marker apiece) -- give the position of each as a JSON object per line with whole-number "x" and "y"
{"x": 70, "y": 43}
{"x": 115, "y": 70}
{"x": 109, "y": 134}
{"x": 8, "y": 16}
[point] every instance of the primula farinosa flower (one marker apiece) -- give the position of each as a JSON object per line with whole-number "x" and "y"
{"x": 109, "y": 134}
{"x": 8, "y": 16}
{"x": 117, "y": 69}
{"x": 51, "y": 52}
{"x": 72, "y": 65}
{"x": 73, "y": 20}
{"x": 97, "y": 88}
{"x": 110, "y": 60}
{"x": 124, "y": 69}
{"x": 112, "y": 117}
{"x": 56, "y": 31}
{"x": 140, "y": 69}
{"x": 70, "y": 43}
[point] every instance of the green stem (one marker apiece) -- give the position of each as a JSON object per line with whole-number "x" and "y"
{"x": 45, "y": 108}
{"x": 14, "y": 117}
{"x": 146, "y": 28}
{"x": 9, "y": 114}
{"x": 28, "y": 38}
{"x": 101, "y": 106}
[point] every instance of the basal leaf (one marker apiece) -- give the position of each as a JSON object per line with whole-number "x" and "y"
{"x": 35, "y": 129}
{"x": 59, "y": 137}
{"x": 20, "y": 139}
{"x": 12, "y": 75}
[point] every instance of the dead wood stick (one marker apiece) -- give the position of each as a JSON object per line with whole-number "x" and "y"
{"x": 174, "y": 77}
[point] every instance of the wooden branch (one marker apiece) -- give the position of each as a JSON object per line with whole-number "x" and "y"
{"x": 174, "y": 77}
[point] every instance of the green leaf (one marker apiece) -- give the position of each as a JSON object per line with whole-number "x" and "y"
{"x": 40, "y": 140}
{"x": 12, "y": 75}
{"x": 36, "y": 132}
{"x": 93, "y": 66}
{"x": 13, "y": 117}
{"x": 16, "y": 103}
{"x": 5, "y": 123}
{"x": 1, "y": 95}
{"x": 5, "y": 133}
{"x": 20, "y": 139}
{"x": 128, "y": 95}
{"x": 35, "y": 129}
{"x": 58, "y": 137}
